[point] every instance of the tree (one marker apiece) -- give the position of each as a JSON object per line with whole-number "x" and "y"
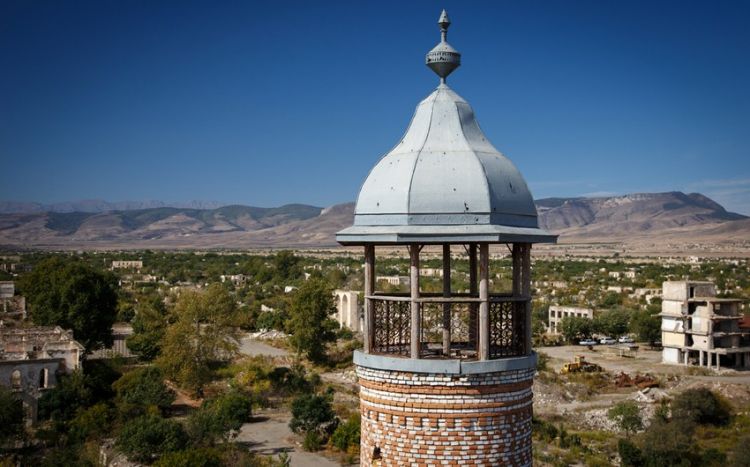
{"x": 312, "y": 412}
{"x": 204, "y": 333}
{"x": 219, "y": 418}
{"x": 145, "y": 438}
{"x": 612, "y": 322}
{"x": 646, "y": 325}
{"x": 669, "y": 444}
{"x": 309, "y": 322}
{"x": 61, "y": 402}
{"x": 575, "y": 327}
{"x": 627, "y": 415}
{"x": 11, "y": 416}
{"x": 149, "y": 326}
{"x": 701, "y": 406}
{"x": 70, "y": 294}
{"x": 142, "y": 388}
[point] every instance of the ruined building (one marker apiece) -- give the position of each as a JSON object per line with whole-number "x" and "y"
{"x": 445, "y": 378}
{"x": 699, "y": 328}
{"x": 32, "y": 358}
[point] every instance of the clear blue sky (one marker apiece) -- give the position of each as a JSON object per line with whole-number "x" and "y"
{"x": 281, "y": 101}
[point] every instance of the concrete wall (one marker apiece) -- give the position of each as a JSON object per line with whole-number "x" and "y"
{"x": 671, "y": 355}
{"x": 348, "y": 309}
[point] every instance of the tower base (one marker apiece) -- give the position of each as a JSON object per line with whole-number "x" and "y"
{"x": 445, "y": 412}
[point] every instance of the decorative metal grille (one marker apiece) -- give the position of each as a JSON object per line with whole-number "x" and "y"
{"x": 507, "y": 329}
{"x": 392, "y": 327}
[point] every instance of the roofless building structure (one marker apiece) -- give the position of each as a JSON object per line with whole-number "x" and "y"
{"x": 446, "y": 378}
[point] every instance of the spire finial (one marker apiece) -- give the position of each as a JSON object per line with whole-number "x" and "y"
{"x": 443, "y": 58}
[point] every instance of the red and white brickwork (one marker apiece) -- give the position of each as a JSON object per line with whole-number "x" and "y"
{"x": 421, "y": 419}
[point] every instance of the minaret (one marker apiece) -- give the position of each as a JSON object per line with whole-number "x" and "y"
{"x": 445, "y": 378}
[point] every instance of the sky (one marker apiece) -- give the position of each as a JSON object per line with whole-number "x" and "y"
{"x": 293, "y": 102}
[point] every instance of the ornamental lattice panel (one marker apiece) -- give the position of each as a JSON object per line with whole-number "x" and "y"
{"x": 392, "y": 327}
{"x": 507, "y": 329}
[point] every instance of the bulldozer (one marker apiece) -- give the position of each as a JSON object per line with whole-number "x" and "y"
{"x": 580, "y": 365}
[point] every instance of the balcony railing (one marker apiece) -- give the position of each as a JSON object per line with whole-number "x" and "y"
{"x": 391, "y": 326}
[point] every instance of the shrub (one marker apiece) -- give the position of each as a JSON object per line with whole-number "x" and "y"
{"x": 311, "y": 412}
{"x": 141, "y": 388}
{"x": 312, "y": 441}
{"x": 148, "y": 437}
{"x": 196, "y": 457}
{"x": 347, "y": 434}
{"x": 11, "y": 416}
{"x": 630, "y": 455}
{"x": 627, "y": 415}
{"x": 219, "y": 418}
{"x": 700, "y": 406}
{"x": 741, "y": 455}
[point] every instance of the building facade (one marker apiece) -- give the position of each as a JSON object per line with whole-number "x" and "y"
{"x": 700, "y": 329}
{"x": 557, "y": 313}
{"x": 348, "y": 309}
{"x": 32, "y": 358}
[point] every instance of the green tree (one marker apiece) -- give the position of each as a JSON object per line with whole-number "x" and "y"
{"x": 646, "y": 325}
{"x": 149, "y": 326}
{"x": 312, "y": 412}
{"x": 94, "y": 422}
{"x": 146, "y": 438}
{"x": 11, "y": 416}
{"x": 219, "y": 418}
{"x": 612, "y": 322}
{"x": 61, "y": 402}
{"x": 669, "y": 444}
{"x": 204, "y": 333}
{"x": 627, "y": 415}
{"x": 140, "y": 389}
{"x": 701, "y": 406}
{"x": 309, "y": 322}
{"x": 70, "y": 294}
{"x": 574, "y": 328}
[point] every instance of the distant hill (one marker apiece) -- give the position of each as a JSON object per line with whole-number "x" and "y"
{"x": 673, "y": 216}
{"x": 98, "y": 205}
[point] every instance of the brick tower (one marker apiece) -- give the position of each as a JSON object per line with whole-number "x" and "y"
{"x": 446, "y": 377}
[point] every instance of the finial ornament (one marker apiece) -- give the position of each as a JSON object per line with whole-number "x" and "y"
{"x": 443, "y": 58}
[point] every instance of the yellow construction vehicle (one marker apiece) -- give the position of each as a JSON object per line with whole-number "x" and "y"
{"x": 580, "y": 365}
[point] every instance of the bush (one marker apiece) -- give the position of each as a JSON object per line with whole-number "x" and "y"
{"x": 311, "y": 412}
{"x": 197, "y": 457}
{"x": 93, "y": 422}
{"x": 630, "y": 455}
{"x": 627, "y": 415}
{"x": 700, "y": 406}
{"x": 312, "y": 442}
{"x": 148, "y": 437}
{"x": 142, "y": 388}
{"x": 347, "y": 434}
{"x": 218, "y": 418}
{"x": 741, "y": 455}
{"x": 11, "y": 416}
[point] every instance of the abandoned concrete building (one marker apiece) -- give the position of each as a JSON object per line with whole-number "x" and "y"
{"x": 700, "y": 329}
{"x": 557, "y": 313}
{"x": 127, "y": 265}
{"x": 348, "y": 310}
{"x": 445, "y": 378}
{"x": 32, "y": 358}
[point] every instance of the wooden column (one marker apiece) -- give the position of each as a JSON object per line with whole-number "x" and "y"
{"x": 368, "y": 326}
{"x": 484, "y": 305}
{"x": 414, "y": 282}
{"x": 522, "y": 285}
{"x": 473, "y": 291}
{"x": 446, "y": 293}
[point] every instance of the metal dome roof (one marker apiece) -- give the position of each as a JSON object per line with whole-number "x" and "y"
{"x": 444, "y": 181}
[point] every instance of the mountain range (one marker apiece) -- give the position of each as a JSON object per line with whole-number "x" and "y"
{"x": 671, "y": 217}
